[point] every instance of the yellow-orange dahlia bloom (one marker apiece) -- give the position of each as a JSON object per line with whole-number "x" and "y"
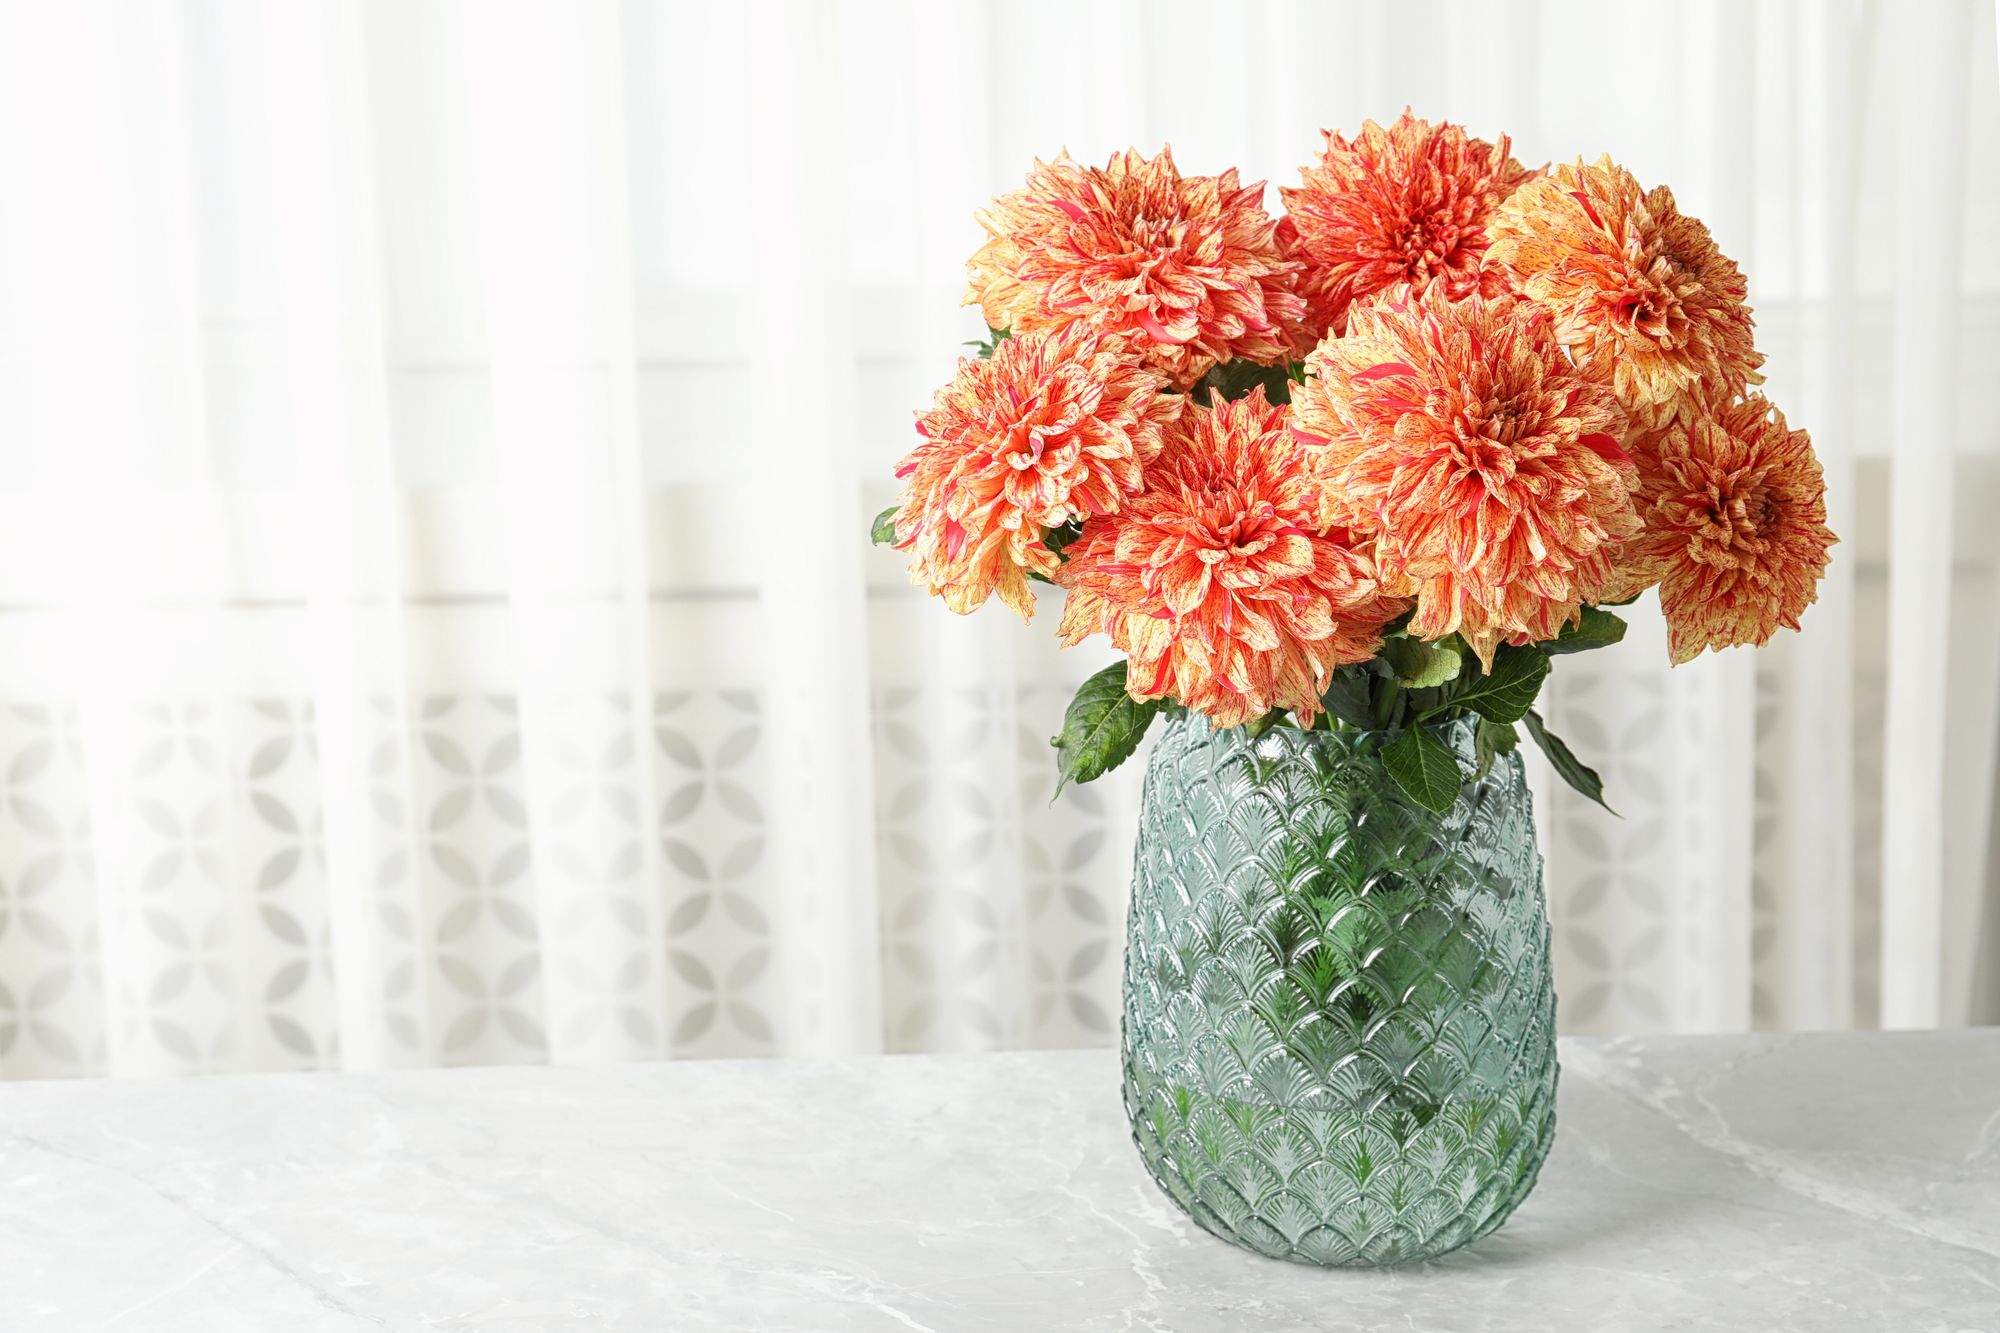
{"x": 1404, "y": 205}
{"x": 1055, "y": 426}
{"x": 1217, "y": 580}
{"x": 1734, "y": 506}
{"x": 1188, "y": 268}
{"x": 1486, "y": 468}
{"x": 1638, "y": 288}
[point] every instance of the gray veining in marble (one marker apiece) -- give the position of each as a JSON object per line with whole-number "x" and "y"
{"x": 1823, "y": 1183}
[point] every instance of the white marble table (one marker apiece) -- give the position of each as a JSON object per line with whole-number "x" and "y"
{"x": 1822, "y": 1183}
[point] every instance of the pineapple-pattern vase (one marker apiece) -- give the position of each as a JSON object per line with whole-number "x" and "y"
{"x": 1339, "y": 1031}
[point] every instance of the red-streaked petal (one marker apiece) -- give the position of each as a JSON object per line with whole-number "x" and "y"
{"x": 1605, "y": 447}
{"x": 1158, "y": 331}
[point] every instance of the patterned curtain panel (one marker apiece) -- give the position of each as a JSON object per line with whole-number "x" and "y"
{"x": 437, "y": 442}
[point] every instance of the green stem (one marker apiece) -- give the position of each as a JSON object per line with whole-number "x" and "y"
{"x": 1385, "y": 702}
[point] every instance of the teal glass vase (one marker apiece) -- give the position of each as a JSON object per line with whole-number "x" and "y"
{"x": 1339, "y": 1028}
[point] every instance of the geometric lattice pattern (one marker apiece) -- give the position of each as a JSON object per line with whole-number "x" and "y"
{"x": 1339, "y": 1020}
{"x": 633, "y": 911}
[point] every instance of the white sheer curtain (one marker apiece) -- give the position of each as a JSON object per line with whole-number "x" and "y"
{"x": 436, "y": 442}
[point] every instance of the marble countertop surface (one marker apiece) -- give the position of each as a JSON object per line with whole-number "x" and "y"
{"x": 1761, "y": 1183}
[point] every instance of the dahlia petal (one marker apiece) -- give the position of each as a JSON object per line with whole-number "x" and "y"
{"x": 1160, "y": 332}
{"x": 1054, "y": 425}
{"x": 1497, "y": 532}
{"x": 1736, "y": 535}
{"x": 1377, "y": 372}
{"x": 1639, "y": 292}
{"x": 1189, "y": 269}
{"x": 1236, "y": 624}
{"x": 1605, "y": 447}
{"x": 1352, "y": 218}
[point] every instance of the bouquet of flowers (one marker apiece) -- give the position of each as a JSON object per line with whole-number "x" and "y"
{"x": 1371, "y": 464}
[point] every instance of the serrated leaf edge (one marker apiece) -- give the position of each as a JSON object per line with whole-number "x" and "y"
{"x": 1423, "y": 751}
{"x": 1146, "y": 711}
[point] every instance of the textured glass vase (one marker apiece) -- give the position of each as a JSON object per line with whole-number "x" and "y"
{"x": 1339, "y": 1027}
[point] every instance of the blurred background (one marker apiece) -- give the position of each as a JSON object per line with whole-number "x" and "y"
{"x": 437, "y": 442}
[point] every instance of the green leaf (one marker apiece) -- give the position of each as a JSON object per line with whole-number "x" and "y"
{"x": 1423, "y": 766}
{"x": 991, "y": 343}
{"x": 1596, "y": 628}
{"x": 1388, "y": 704}
{"x": 1509, "y": 689}
{"x": 1257, "y": 726}
{"x": 1626, "y": 601}
{"x": 883, "y": 531}
{"x": 1572, "y": 769}
{"x": 1490, "y": 740}
{"x": 1419, "y": 665}
{"x": 1235, "y": 379}
{"x": 1101, "y": 728}
{"x": 1059, "y": 539}
{"x": 1346, "y": 698}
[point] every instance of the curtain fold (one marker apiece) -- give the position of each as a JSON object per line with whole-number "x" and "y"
{"x": 437, "y": 441}
{"x": 1814, "y": 784}
{"x": 1930, "y": 146}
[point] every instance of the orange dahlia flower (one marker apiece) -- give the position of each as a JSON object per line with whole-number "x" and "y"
{"x": 1734, "y": 506}
{"x": 1485, "y": 467}
{"x": 1216, "y": 579}
{"x": 1638, "y": 289}
{"x": 1055, "y": 426}
{"x": 1186, "y": 267}
{"x": 1404, "y": 205}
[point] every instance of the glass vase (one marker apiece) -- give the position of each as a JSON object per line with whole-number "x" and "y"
{"x": 1339, "y": 1029}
